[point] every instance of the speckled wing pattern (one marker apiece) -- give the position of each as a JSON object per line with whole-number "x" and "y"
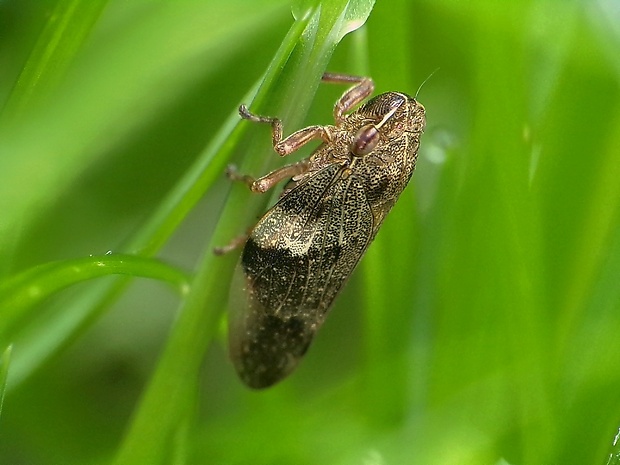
{"x": 295, "y": 262}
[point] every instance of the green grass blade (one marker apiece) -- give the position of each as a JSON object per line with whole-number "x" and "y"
{"x": 67, "y": 29}
{"x": 174, "y": 384}
{"x": 20, "y": 295}
{"x": 4, "y": 372}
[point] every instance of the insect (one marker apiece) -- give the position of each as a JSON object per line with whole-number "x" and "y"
{"x": 302, "y": 251}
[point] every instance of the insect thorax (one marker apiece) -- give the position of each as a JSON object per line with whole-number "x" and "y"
{"x": 386, "y": 170}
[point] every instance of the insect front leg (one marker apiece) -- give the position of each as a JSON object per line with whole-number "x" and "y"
{"x": 293, "y": 142}
{"x": 364, "y": 86}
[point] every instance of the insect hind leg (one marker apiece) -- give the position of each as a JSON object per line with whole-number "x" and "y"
{"x": 260, "y": 185}
{"x": 234, "y": 244}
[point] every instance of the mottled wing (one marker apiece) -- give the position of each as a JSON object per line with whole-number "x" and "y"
{"x": 296, "y": 260}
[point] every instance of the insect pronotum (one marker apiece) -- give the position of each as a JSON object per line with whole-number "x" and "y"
{"x": 302, "y": 251}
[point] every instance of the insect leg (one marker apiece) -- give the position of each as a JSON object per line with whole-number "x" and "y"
{"x": 264, "y": 183}
{"x": 286, "y": 146}
{"x": 364, "y": 86}
{"x": 232, "y": 245}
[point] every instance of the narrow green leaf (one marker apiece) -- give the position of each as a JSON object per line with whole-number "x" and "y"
{"x": 68, "y": 27}
{"x": 4, "y": 372}
{"x": 170, "y": 398}
{"x": 20, "y": 295}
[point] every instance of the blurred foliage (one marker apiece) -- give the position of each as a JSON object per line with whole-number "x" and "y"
{"x": 481, "y": 327}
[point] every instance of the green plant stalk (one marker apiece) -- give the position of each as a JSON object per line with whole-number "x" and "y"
{"x": 170, "y": 398}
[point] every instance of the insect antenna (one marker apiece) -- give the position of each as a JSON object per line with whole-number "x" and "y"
{"x": 424, "y": 82}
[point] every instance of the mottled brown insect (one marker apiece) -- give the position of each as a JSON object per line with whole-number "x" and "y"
{"x": 300, "y": 254}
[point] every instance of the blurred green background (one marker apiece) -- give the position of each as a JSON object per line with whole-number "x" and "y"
{"x": 482, "y": 325}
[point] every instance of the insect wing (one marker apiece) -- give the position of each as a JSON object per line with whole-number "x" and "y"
{"x": 296, "y": 260}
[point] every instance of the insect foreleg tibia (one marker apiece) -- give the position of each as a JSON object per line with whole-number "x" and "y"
{"x": 264, "y": 183}
{"x": 352, "y": 97}
{"x": 291, "y": 143}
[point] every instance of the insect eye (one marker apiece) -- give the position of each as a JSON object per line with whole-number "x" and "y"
{"x": 365, "y": 140}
